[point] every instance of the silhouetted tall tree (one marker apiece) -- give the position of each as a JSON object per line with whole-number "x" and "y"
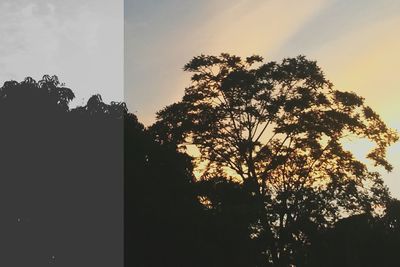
{"x": 279, "y": 128}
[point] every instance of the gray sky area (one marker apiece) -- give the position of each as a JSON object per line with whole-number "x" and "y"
{"x": 79, "y": 41}
{"x": 355, "y": 42}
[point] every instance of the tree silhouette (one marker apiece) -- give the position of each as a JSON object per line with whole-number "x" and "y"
{"x": 63, "y": 172}
{"x": 61, "y": 179}
{"x": 61, "y": 187}
{"x": 161, "y": 210}
{"x": 359, "y": 240}
{"x": 279, "y": 127}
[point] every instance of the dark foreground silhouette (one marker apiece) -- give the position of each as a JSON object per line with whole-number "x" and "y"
{"x": 61, "y": 178}
{"x": 278, "y": 128}
{"x": 69, "y": 175}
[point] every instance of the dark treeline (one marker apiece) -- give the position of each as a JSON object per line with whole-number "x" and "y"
{"x": 166, "y": 225}
{"x": 61, "y": 177}
{"x": 64, "y": 170}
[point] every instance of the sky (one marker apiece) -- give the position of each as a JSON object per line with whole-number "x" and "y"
{"x": 79, "y": 41}
{"x": 134, "y": 50}
{"x": 356, "y": 43}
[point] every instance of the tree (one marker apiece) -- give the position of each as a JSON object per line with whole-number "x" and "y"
{"x": 358, "y": 240}
{"x": 61, "y": 176}
{"x": 278, "y": 128}
{"x": 162, "y": 214}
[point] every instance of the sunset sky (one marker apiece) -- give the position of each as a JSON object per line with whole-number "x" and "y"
{"x": 355, "y": 42}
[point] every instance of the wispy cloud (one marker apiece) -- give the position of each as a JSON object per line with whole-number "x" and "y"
{"x": 162, "y": 40}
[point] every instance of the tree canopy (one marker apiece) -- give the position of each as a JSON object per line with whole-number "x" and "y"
{"x": 61, "y": 178}
{"x": 279, "y": 129}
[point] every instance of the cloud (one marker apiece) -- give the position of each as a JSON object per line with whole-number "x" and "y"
{"x": 81, "y": 41}
{"x": 258, "y": 26}
{"x": 161, "y": 38}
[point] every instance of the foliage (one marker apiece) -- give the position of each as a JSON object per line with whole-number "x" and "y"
{"x": 61, "y": 175}
{"x": 279, "y": 127}
{"x": 359, "y": 240}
